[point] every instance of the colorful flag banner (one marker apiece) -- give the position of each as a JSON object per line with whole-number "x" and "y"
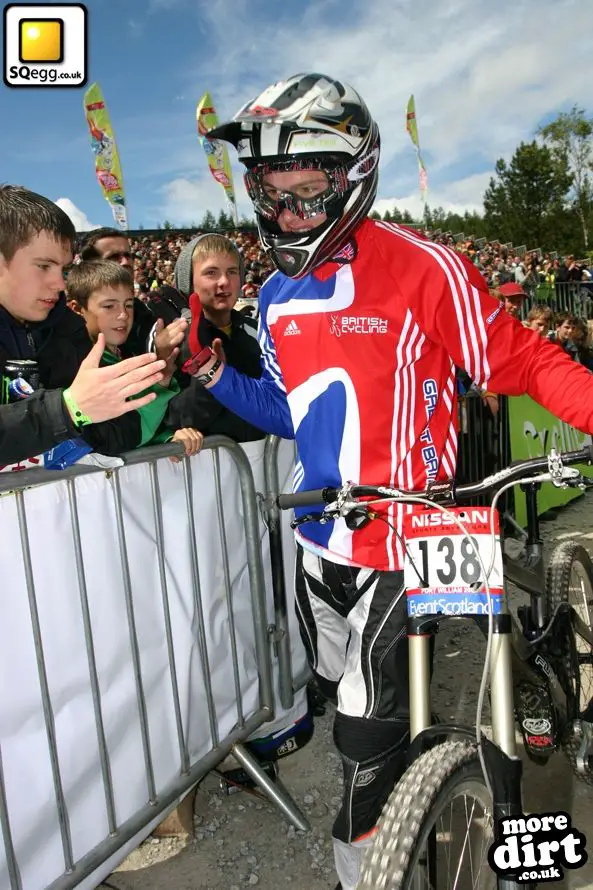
{"x": 216, "y": 151}
{"x": 412, "y": 128}
{"x": 107, "y": 164}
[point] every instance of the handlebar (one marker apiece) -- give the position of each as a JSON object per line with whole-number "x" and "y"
{"x": 307, "y": 498}
{"x": 441, "y": 491}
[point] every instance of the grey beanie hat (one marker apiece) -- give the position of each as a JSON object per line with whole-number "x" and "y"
{"x": 183, "y": 266}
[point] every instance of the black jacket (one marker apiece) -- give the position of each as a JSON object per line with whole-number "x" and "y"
{"x": 33, "y": 425}
{"x": 195, "y": 406}
{"x": 59, "y": 344}
{"x": 167, "y": 303}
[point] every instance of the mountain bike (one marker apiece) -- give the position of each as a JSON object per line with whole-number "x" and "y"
{"x": 444, "y": 814}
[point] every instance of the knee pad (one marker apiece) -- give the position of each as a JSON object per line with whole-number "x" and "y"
{"x": 373, "y": 759}
{"x": 359, "y": 738}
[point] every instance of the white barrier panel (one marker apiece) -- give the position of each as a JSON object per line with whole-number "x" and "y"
{"x": 25, "y": 755}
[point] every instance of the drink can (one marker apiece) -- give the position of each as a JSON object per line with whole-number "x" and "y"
{"x": 20, "y": 378}
{"x": 19, "y": 388}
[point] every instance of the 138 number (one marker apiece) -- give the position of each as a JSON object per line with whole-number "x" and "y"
{"x": 461, "y": 560}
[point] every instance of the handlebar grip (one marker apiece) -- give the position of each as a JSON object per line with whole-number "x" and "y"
{"x": 307, "y": 498}
{"x": 583, "y": 456}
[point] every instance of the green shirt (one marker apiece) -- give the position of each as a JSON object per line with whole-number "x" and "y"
{"x": 151, "y": 415}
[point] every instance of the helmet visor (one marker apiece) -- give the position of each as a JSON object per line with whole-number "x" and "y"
{"x": 303, "y": 187}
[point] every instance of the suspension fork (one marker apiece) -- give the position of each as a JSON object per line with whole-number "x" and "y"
{"x": 421, "y": 632}
{"x": 502, "y": 763}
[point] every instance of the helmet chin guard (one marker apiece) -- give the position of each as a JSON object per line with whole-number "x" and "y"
{"x": 307, "y": 122}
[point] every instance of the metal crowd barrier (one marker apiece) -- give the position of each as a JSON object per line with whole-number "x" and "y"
{"x": 289, "y": 684}
{"x": 190, "y": 773}
{"x": 484, "y": 444}
{"x": 574, "y": 297}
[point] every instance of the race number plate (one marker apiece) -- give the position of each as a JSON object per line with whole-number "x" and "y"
{"x": 441, "y": 570}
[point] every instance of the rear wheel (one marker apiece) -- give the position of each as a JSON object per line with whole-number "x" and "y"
{"x": 570, "y": 580}
{"x": 436, "y": 828}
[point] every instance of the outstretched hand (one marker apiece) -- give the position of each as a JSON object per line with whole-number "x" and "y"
{"x": 105, "y": 393}
{"x": 166, "y": 339}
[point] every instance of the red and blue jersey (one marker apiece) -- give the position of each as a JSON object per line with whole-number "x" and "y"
{"x": 359, "y": 368}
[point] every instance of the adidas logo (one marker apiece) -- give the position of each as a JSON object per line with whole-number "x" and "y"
{"x": 292, "y": 328}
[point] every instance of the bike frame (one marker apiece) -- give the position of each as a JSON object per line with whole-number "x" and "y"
{"x": 508, "y": 661}
{"x": 511, "y": 646}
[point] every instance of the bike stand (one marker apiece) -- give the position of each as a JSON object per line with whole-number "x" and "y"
{"x": 274, "y": 789}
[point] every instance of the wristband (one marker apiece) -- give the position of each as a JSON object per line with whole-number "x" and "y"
{"x": 78, "y": 417}
{"x": 197, "y": 361}
{"x": 203, "y": 379}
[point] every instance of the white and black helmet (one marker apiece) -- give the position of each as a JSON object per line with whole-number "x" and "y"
{"x": 307, "y": 122}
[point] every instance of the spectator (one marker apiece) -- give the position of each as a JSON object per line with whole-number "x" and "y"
{"x": 569, "y": 271}
{"x": 539, "y": 319}
{"x": 111, "y": 245}
{"x": 77, "y": 397}
{"x": 103, "y": 294}
{"x": 564, "y": 333}
{"x": 108, "y": 244}
{"x": 512, "y": 296}
{"x": 580, "y": 336}
{"x": 208, "y": 272}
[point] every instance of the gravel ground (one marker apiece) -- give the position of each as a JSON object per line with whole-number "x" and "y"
{"x": 242, "y": 841}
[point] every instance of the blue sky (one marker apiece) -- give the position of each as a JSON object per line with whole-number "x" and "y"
{"x": 484, "y": 76}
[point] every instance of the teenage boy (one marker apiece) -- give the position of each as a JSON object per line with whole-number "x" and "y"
{"x": 208, "y": 273}
{"x": 77, "y": 397}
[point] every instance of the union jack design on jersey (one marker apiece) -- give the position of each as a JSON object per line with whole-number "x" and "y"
{"x": 367, "y": 388}
{"x": 346, "y": 254}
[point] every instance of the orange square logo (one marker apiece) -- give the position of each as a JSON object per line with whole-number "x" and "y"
{"x": 41, "y": 40}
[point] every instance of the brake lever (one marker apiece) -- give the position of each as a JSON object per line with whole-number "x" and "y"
{"x": 568, "y": 477}
{"x": 582, "y": 482}
{"x": 328, "y": 515}
{"x": 308, "y": 517}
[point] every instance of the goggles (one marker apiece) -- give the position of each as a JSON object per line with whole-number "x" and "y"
{"x": 326, "y": 186}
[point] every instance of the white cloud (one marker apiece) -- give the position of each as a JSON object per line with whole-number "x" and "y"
{"x": 483, "y": 75}
{"x": 187, "y": 200}
{"x": 454, "y": 197}
{"x": 78, "y": 217}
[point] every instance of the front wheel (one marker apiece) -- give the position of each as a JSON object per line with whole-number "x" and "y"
{"x": 436, "y": 828}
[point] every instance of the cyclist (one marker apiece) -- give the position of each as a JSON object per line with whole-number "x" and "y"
{"x": 361, "y": 328}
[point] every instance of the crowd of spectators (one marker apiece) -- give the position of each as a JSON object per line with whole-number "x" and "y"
{"x": 154, "y": 259}
{"x": 533, "y": 270}
{"x": 513, "y": 275}
{"x": 125, "y": 299}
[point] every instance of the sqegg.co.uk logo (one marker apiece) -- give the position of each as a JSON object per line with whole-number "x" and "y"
{"x": 45, "y": 45}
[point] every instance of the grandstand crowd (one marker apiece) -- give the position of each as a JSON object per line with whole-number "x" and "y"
{"x": 154, "y": 257}
{"x": 530, "y": 280}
